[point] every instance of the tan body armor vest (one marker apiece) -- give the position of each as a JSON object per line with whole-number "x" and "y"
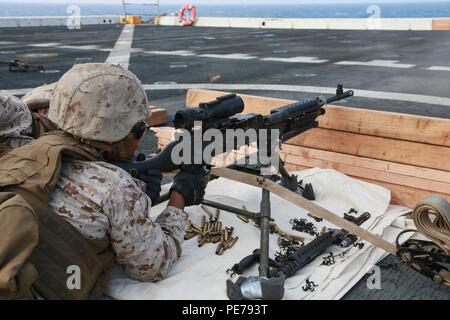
{"x": 28, "y": 175}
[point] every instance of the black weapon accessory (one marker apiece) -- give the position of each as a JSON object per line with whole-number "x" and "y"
{"x": 310, "y": 285}
{"x": 329, "y": 260}
{"x": 343, "y": 254}
{"x": 360, "y": 245}
{"x": 302, "y": 225}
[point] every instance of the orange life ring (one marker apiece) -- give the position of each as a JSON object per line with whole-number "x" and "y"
{"x": 185, "y": 20}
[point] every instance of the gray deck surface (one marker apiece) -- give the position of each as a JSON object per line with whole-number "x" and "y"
{"x": 58, "y": 49}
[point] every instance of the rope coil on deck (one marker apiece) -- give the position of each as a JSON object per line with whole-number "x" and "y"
{"x": 187, "y": 21}
{"x": 432, "y": 219}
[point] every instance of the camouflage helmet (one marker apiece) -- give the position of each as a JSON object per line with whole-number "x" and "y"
{"x": 98, "y": 101}
{"x": 15, "y": 121}
{"x": 39, "y": 97}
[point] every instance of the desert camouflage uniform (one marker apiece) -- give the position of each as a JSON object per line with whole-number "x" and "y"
{"x": 102, "y": 201}
{"x": 103, "y": 102}
{"x": 15, "y": 121}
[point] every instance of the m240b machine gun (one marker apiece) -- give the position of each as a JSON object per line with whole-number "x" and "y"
{"x": 224, "y": 113}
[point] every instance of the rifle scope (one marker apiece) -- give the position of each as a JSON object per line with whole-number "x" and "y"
{"x": 222, "y": 107}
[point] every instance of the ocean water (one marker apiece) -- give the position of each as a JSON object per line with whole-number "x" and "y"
{"x": 393, "y": 10}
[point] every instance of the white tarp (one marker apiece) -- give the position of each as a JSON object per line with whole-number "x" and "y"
{"x": 200, "y": 273}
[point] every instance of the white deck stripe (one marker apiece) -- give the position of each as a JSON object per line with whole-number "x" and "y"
{"x": 186, "y": 53}
{"x": 377, "y": 63}
{"x": 182, "y": 53}
{"x": 232, "y": 56}
{"x": 17, "y": 92}
{"x": 122, "y": 49}
{"x": 438, "y": 68}
{"x": 417, "y": 98}
{"x": 70, "y": 47}
{"x": 45, "y": 45}
{"x": 296, "y": 60}
{"x": 383, "y": 95}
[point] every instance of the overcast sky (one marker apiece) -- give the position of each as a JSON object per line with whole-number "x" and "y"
{"x": 221, "y": 2}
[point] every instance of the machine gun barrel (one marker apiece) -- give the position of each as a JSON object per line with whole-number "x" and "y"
{"x": 303, "y": 108}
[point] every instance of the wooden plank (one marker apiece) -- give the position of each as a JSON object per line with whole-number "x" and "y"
{"x": 406, "y": 196}
{"x": 400, "y": 195}
{"x": 406, "y": 152}
{"x": 379, "y": 165}
{"x": 164, "y": 132}
{"x": 360, "y": 172}
{"x": 305, "y": 204}
{"x": 165, "y": 135}
{"x": 387, "y": 124}
{"x": 158, "y": 116}
{"x": 378, "y": 123}
{"x": 441, "y": 24}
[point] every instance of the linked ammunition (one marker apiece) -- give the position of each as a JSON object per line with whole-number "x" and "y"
{"x": 203, "y": 223}
{"x": 219, "y": 248}
{"x": 215, "y": 233}
{"x": 189, "y": 235}
{"x": 211, "y": 232}
{"x": 225, "y": 238}
{"x": 275, "y": 229}
{"x": 207, "y": 211}
{"x": 243, "y": 218}
{"x": 201, "y": 241}
{"x": 196, "y": 228}
{"x": 217, "y": 214}
{"x": 232, "y": 242}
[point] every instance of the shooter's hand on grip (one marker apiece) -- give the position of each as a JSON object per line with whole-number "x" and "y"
{"x": 191, "y": 184}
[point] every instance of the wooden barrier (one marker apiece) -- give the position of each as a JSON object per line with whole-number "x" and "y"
{"x": 370, "y": 122}
{"x": 158, "y": 116}
{"x": 408, "y": 154}
{"x": 441, "y": 24}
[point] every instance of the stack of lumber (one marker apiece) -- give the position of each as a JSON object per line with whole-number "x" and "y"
{"x": 408, "y": 154}
{"x": 441, "y": 24}
{"x": 158, "y": 116}
{"x": 166, "y": 135}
